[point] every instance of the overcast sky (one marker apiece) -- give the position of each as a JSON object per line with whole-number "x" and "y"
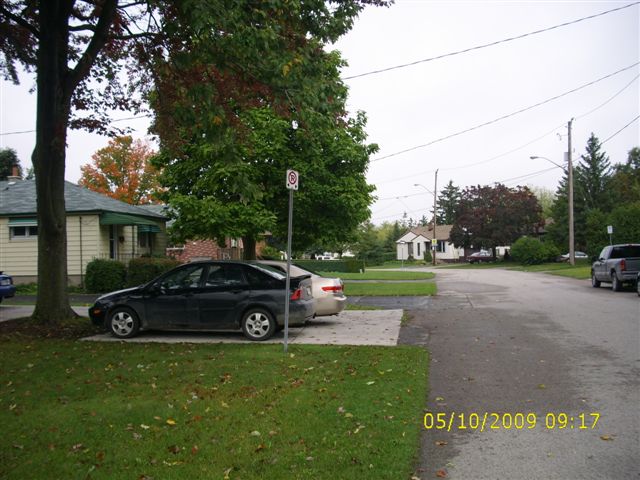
{"x": 420, "y": 104}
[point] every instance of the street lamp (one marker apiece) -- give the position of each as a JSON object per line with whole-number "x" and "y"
{"x": 569, "y": 172}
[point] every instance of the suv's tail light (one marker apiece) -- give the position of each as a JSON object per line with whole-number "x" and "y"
{"x": 297, "y": 294}
{"x": 623, "y": 265}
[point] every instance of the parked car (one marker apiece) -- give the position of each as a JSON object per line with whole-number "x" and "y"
{"x": 7, "y": 288}
{"x": 328, "y": 293}
{"x": 616, "y": 264}
{"x": 481, "y": 256}
{"x": 576, "y": 255}
{"x": 207, "y": 296}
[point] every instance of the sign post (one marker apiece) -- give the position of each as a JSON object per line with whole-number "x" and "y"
{"x": 610, "y": 232}
{"x": 292, "y": 184}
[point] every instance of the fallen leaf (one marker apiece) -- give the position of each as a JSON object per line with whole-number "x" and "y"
{"x": 255, "y": 433}
{"x": 171, "y": 421}
{"x": 542, "y": 386}
{"x": 441, "y": 473}
{"x": 439, "y": 399}
{"x": 144, "y": 427}
{"x": 441, "y": 443}
{"x": 606, "y": 437}
{"x": 173, "y": 449}
{"x": 371, "y": 382}
{"x": 227, "y": 472}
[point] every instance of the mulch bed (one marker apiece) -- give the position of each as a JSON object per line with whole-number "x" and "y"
{"x": 25, "y": 327}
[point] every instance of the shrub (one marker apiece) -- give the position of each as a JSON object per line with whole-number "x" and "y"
{"x": 144, "y": 269}
{"x": 105, "y": 276}
{"x": 270, "y": 253}
{"x": 528, "y": 251}
{"x": 427, "y": 256}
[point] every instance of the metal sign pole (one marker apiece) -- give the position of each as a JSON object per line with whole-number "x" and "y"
{"x": 288, "y": 282}
{"x": 292, "y": 184}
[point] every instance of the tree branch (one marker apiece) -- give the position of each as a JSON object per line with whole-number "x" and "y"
{"x": 79, "y": 28}
{"x": 20, "y": 21}
{"x": 105, "y": 21}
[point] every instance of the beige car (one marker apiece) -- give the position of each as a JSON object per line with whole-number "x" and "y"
{"x": 328, "y": 293}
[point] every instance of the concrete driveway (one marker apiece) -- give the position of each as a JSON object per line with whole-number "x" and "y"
{"x": 353, "y": 327}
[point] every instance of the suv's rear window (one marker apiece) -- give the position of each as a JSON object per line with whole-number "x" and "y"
{"x": 626, "y": 251}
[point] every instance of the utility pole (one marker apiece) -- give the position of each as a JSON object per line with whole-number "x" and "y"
{"x": 572, "y": 253}
{"x": 435, "y": 204}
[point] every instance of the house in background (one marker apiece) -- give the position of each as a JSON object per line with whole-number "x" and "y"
{"x": 415, "y": 242}
{"x": 97, "y": 227}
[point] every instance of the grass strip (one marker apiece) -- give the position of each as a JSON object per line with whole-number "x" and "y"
{"x": 74, "y": 409}
{"x": 390, "y": 289}
{"x": 382, "y": 275}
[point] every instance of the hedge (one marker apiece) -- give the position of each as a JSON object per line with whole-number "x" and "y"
{"x": 144, "y": 269}
{"x": 105, "y": 276}
{"x": 347, "y": 266}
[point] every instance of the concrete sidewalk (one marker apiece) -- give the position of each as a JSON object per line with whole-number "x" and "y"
{"x": 353, "y": 327}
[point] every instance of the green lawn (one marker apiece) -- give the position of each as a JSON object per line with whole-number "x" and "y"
{"x": 582, "y": 270}
{"x": 73, "y": 409}
{"x": 382, "y": 275}
{"x": 390, "y": 289}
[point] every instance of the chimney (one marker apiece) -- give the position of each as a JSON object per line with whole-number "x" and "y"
{"x": 15, "y": 174}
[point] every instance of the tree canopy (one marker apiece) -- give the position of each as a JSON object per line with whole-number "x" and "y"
{"x": 492, "y": 216}
{"x": 226, "y": 124}
{"x": 9, "y": 160}
{"x": 122, "y": 170}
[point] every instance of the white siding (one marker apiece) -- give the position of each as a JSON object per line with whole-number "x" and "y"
{"x": 17, "y": 256}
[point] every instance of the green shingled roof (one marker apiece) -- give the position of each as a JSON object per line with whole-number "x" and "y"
{"x": 19, "y": 198}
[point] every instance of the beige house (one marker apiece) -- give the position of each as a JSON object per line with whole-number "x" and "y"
{"x": 417, "y": 240}
{"x": 97, "y": 227}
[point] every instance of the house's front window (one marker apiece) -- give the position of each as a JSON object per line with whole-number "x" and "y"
{"x": 418, "y": 252}
{"x": 23, "y": 232}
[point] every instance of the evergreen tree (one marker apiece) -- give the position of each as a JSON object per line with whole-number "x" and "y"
{"x": 447, "y": 204}
{"x": 593, "y": 174}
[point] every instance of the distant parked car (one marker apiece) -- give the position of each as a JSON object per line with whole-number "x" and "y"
{"x": 577, "y": 256}
{"x": 481, "y": 256}
{"x": 7, "y": 288}
{"x": 208, "y": 296}
{"x": 328, "y": 293}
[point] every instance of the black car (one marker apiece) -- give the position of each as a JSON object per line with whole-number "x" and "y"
{"x": 212, "y": 295}
{"x": 7, "y": 288}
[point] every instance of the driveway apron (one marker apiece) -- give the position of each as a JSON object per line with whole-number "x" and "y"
{"x": 508, "y": 345}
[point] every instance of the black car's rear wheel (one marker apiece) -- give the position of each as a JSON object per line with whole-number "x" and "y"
{"x": 258, "y": 324}
{"x": 123, "y": 322}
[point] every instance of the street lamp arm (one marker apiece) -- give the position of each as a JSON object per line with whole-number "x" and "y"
{"x": 535, "y": 157}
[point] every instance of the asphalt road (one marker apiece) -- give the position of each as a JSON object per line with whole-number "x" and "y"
{"x": 505, "y": 342}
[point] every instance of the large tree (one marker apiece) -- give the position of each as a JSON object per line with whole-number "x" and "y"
{"x": 122, "y": 170}
{"x": 490, "y": 216}
{"x": 447, "y": 204}
{"x": 77, "y": 49}
{"x": 593, "y": 174}
{"x": 9, "y": 160}
{"x": 230, "y": 92}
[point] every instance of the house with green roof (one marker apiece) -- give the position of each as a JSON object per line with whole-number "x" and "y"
{"x": 97, "y": 227}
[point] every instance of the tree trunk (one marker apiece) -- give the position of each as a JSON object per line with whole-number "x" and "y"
{"x": 249, "y": 244}
{"x": 53, "y": 107}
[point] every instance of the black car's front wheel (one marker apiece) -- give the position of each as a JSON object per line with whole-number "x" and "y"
{"x": 123, "y": 322}
{"x": 595, "y": 283}
{"x": 258, "y": 324}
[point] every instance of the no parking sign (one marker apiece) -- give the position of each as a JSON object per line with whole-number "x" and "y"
{"x": 292, "y": 180}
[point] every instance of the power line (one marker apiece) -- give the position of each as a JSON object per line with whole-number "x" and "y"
{"x": 602, "y": 143}
{"x": 504, "y": 117}
{"x": 491, "y": 44}
{"x": 113, "y": 121}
